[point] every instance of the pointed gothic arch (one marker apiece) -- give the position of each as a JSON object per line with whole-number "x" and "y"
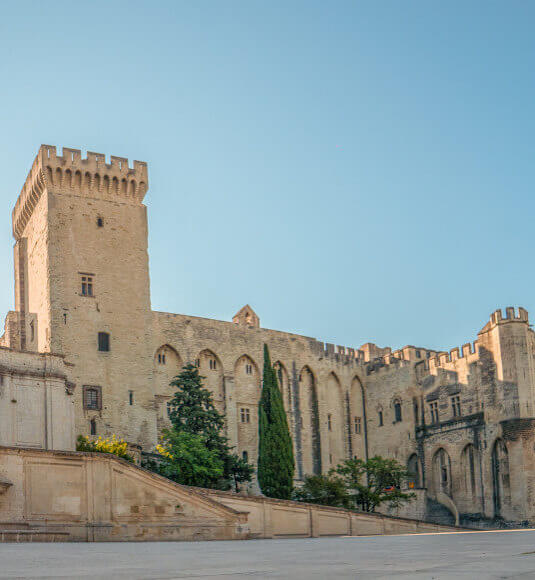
{"x": 309, "y": 423}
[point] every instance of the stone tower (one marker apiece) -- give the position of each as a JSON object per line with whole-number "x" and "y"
{"x": 82, "y": 283}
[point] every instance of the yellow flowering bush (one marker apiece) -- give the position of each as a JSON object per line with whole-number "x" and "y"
{"x": 112, "y": 445}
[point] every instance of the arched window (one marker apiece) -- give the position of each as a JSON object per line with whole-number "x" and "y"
{"x": 442, "y": 472}
{"x": 468, "y": 465}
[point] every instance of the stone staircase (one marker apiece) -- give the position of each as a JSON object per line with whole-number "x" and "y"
{"x": 438, "y": 513}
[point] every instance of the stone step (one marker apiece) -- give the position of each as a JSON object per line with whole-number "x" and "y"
{"x": 14, "y": 526}
{"x": 28, "y": 535}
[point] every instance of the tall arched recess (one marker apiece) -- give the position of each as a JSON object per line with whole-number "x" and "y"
{"x": 358, "y": 430}
{"x": 500, "y": 477}
{"x": 167, "y": 365}
{"x": 310, "y": 425}
{"x": 336, "y": 421}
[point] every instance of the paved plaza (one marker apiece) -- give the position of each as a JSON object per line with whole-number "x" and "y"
{"x": 508, "y": 554}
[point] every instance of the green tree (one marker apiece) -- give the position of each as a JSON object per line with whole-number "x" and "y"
{"x": 192, "y": 412}
{"x": 375, "y": 481}
{"x": 186, "y": 459}
{"x": 327, "y": 489}
{"x": 275, "y": 453}
{"x": 238, "y": 471}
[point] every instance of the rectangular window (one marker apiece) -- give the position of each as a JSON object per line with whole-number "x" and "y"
{"x": 380, "y": 418}
{"x": 329, "y": 422}
{"x": 212, "y": 364}
{"x": 249, "y": 369}
{"x": 397, "y": 412}
{"x": 93, "y": 427}
{"x": 357, "y": 425}
{"x": 103, "y": 342}
{"x": 86, "y": 284}
{"x": 245, "y": 415}
{"x": 456, "y": 405}
{"x": 130, "y": 397}
{"x": 92, "y": 398}
{"x": 245, "y": 456}
{"x": 433, "y": 408}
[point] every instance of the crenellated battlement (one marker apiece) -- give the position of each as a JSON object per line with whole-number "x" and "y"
{"x": 343, "y": 354}
{"x": 511, "y": 314}
{"x": 70, "y": 173}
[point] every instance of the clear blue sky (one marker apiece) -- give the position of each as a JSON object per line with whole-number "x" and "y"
{"x": 356, "y": 171}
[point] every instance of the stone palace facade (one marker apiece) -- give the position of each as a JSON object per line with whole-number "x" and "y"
{"x": 463, "y": 421}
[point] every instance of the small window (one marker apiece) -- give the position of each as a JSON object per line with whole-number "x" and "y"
{"x": 93, "y": 427}
{"x": 86, "y": 284}
{"x": 130, "y": 397}
{"x": 418, "y": 354}
{"x": 161, "y": 358}
{"x": 103, "y": 342}
{"x": 212, "y": 364}
{"x": 331, "y": 458}
{"x": 245, "y": 456}
{"x": 245, "y": 415}
{"x": 456, "y": 405}
{"x": 92, "y": 398}
{"x": 433, "y": 409}
{"x": 329, "y": 422}
{"x": 380, "y": 418}
{"x": 249, "y": 369}
{"x": 397, "y": 411}
{"x": 415, "y": 410}
{"x": 100, "y": 222}
{"x": 357, "y": 425}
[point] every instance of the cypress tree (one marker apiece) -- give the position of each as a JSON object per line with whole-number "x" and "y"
{"x": 275, "y": 453}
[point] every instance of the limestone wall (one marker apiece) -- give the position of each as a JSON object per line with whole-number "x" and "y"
{"x": 36, "y": 402}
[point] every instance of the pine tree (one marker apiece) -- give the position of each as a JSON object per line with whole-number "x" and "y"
{"x": 192, "y": 411}
{"x": 275, "y": 453}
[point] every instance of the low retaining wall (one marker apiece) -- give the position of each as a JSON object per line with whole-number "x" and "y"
{"x": 271, "y": 518}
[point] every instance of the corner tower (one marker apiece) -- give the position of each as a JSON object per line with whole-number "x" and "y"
{"x": 82, "y": 279}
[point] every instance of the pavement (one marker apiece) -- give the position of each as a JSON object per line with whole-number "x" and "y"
{"x": 459, "y": 555}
